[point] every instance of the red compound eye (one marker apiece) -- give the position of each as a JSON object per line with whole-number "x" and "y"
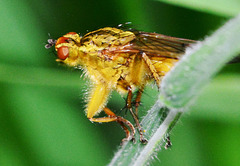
{"x": 63, "y": 52}
{"x": 71, "y": 33}
{"x": 61, "y": 40}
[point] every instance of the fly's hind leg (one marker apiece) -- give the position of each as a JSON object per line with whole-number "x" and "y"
{"x": 98, "y": 97}
{"x": 123, "y": 122}
{"x": 152, "y": 69}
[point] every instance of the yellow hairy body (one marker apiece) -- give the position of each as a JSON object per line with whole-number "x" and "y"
{"x": 120, "y": 60}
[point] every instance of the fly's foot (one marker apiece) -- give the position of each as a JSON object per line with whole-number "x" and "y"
{"x": 143, "y": 140}
{"x": 133, "y": 140}
{"x": 129, "y": 135}
{"x": 128, "y": 139}
{"x": 168, "y": 143}
{"x": 123, "y": 141}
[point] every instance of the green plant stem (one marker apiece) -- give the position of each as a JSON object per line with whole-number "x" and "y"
{"x": 163, "y": 129}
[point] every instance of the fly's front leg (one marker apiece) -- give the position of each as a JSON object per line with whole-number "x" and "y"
{"x": 129, "y": 106}
{"x": 129, "y": 135}
{"x": 123, "y": 122}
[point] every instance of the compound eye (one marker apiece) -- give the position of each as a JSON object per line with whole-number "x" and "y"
{"x": 71, "y": 33}
{"x": 63, "y": 52}
{"x": 61, "y": 40}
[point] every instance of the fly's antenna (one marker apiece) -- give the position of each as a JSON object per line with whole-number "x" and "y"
{"x": 50, "y": 43}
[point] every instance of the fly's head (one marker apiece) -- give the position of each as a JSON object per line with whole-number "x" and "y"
{"x": 66, "y": 48}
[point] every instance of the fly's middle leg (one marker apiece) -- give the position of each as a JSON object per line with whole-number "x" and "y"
{"x": 135, "y": 117}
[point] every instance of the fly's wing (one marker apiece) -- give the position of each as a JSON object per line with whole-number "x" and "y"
{"x": 158, "y": 45}
{"x": 159, "y": 52}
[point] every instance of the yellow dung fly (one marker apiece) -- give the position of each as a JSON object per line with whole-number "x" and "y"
{"x": 121, "y": 60}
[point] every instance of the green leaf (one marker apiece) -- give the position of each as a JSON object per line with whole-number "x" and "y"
{"x": 218, "y": 7}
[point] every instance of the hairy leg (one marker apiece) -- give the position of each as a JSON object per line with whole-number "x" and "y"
{"x": 123, "y": 122}
{"x": 129, "y": 106}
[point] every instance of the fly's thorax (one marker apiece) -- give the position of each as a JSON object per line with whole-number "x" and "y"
{"x": 108, "y": 36}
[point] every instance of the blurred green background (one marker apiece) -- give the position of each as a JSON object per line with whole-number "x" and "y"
{"x": 42, "y": 121}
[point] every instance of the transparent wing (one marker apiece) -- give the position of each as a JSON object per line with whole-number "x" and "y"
{"x": 158, "y": 45}
{"x": 162, "y": 51}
